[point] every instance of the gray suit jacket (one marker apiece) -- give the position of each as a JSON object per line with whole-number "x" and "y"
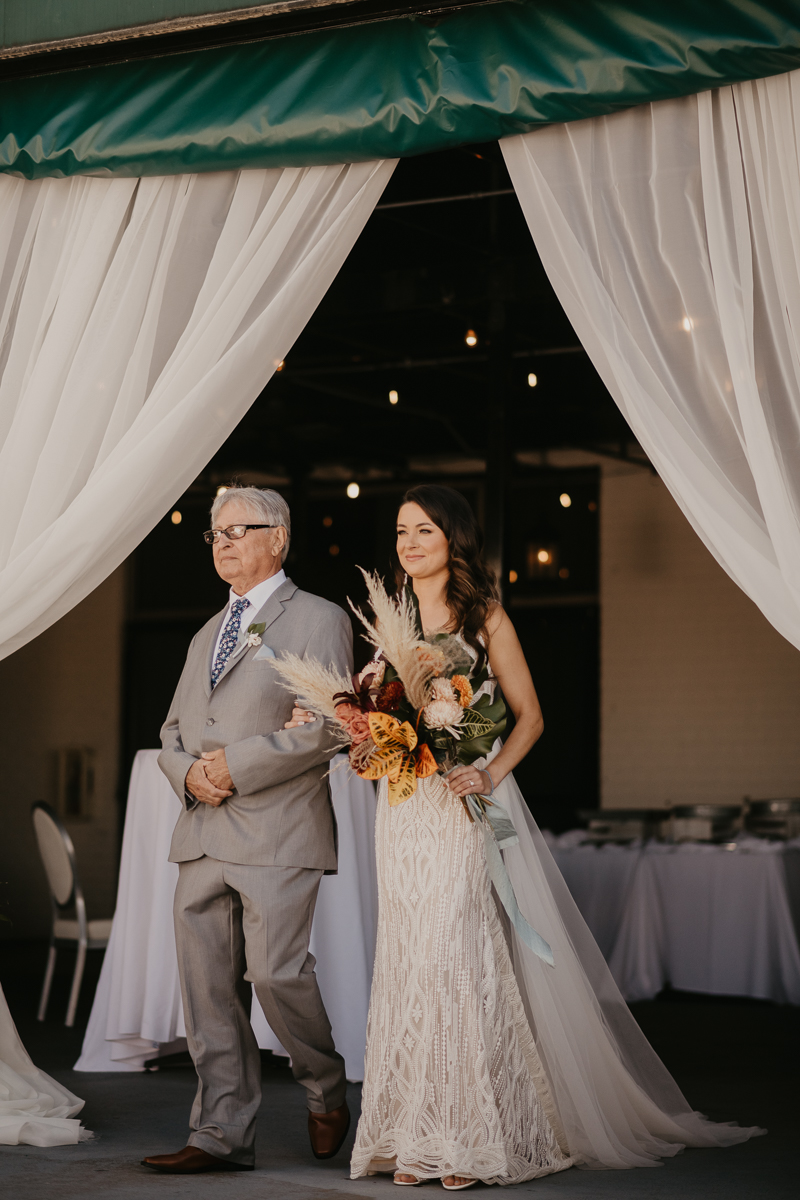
{"x": 280, "y": 812}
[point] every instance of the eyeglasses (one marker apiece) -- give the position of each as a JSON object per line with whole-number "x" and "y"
{"x": 233, "y": 532}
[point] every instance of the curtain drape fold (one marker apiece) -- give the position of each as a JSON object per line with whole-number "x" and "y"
{"x": 671, "y": 234}
{"x": 139, "y": 319}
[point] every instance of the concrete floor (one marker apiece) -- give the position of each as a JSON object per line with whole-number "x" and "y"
{"x": 735, "y": 1060}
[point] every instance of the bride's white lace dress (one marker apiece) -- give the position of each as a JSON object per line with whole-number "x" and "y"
{"x": 453, "y": 1083}
{"x": 34, "y": 1109}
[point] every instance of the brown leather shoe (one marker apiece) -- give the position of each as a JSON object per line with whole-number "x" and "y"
{"x": 191, "y": 1160}
{"x": 328, "y": 1131}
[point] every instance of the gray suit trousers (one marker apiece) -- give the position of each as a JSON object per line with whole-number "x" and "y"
{"x": 235, "y": 925}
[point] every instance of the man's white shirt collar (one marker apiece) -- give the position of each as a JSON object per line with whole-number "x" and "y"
{"x": 257, "y": 596}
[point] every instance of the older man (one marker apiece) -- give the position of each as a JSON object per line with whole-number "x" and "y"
{"x": 256, "y": 834}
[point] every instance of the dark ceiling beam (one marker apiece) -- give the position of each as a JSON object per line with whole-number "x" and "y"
{"x": 444, "y": 199}
{"x": 412, "y": 364}
{"x": 406, "y": 410}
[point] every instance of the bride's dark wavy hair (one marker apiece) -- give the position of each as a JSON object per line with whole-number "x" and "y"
{"x": 472, "y": 587}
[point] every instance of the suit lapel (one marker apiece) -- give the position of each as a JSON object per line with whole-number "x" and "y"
{"x": 266, "y": 616}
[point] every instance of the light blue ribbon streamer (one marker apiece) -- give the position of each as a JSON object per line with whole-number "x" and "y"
{"x": 499, "y": 832}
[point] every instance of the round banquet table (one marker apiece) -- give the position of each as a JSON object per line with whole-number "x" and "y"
{"x": 137, "y": 1013}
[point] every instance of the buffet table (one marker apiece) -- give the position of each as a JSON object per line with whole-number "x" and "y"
{"x": 706, "y": 919}
{"x": 137, "y": 1013}
{"x": 724, "y": 920}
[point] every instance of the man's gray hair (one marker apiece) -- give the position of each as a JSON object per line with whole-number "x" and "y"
{"x": 267, "y": 507}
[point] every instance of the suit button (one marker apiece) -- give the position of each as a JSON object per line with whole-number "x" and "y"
{"x": 210, "y": 721}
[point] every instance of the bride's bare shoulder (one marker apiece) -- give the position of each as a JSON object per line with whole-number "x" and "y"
{"x": 497, "y": 619}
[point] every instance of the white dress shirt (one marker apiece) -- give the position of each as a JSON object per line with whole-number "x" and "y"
{"x": 257, "y": 597}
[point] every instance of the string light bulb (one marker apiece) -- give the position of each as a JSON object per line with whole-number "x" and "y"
{"x": 353, "y": 491}
{"x": 544, "y": 556}
{"x": 176, "y": 518}
{"x": 688, "y": 324}
{"x": 532, "y": 379}
{"x": 565, "y": 500}
{"x": 471, "y": 337}
{"x": 393, "y": 396}
{"x": 221, "y": 491}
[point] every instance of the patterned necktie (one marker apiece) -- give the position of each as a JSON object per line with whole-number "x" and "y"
{"x": 230, "y": 636}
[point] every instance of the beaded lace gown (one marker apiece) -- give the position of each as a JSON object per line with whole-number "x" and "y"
{"x": 453, "y": 1084}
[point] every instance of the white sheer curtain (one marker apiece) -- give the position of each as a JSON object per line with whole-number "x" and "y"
{"x": 139, "y": 319}
{"x": 671, "y": 234}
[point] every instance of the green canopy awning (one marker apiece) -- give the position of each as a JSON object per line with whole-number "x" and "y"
{"x": 389, "y": 89}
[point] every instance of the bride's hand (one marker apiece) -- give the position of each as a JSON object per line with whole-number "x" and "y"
{"x": 467, "y": 781}
{"x": 300, "y": 716}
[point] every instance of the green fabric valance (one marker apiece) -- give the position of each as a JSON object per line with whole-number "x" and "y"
{"x": 388, "y": 89}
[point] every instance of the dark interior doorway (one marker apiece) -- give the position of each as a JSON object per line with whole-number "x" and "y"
{"x": 440, "y": 353}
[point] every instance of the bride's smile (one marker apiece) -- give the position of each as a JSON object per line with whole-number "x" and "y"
{"x": 422, "y": 547}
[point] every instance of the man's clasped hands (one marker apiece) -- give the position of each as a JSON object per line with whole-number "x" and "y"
{"x": 208, "y": 779}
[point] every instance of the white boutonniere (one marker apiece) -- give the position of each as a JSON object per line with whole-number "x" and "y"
{"x": 253, "y": 640}
{"x": 254, "y": 632}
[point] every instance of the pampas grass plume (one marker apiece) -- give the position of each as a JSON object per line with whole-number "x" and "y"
{"x": 317, "y": 685}
{"x": 396, "y": 635}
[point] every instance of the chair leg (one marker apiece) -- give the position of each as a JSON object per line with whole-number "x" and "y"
{"x": 48, "y": 980}
{"x": 77, "y": 978}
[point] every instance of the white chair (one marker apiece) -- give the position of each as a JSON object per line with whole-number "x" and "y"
{"x": 58, "y": 858}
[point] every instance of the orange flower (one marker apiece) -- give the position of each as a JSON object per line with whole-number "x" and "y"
{"x": 464, "y": 688}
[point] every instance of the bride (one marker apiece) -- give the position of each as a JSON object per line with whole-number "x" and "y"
{"x": 484, "y": 1062}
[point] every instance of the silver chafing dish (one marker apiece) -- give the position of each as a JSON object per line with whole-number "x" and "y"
{"x": 622, "y": 825}
{"x": 773, "y": 818}
{"x": 704, "y": 822}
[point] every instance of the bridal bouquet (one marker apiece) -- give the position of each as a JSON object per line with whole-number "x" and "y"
{"x": 412, "y": 711}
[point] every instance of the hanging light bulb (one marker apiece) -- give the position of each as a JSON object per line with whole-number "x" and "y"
{"x": 393, "y": 397}
{"x": 565, "y": 500}
{"x": 471, "y": 337}
{"x": 176, "y": 517}
{"x": 221, "y": 491}
{"x": 353, "y": 490}
{"x": 533, "y": 380}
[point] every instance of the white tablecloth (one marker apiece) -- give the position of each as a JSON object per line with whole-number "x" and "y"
{"x": 599, "y": 878}
{"x": 698, "y": 917}
{"x": 137, "y": 1013}
{"x": 706, "y": 919}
